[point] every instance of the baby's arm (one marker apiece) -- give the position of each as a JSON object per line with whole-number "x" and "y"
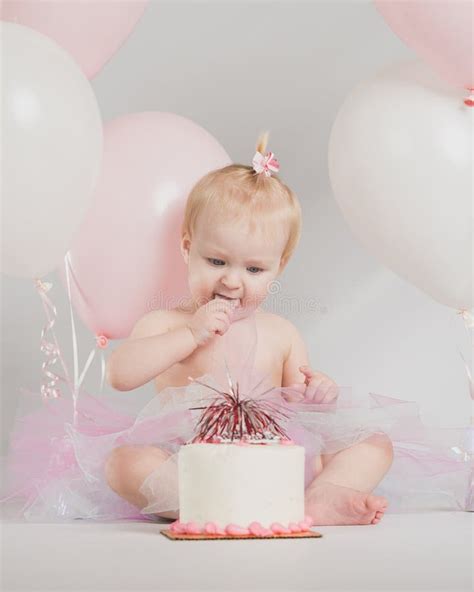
{"x": 153, "y": 347}
{"x": 315, "y": 387}
{"x": 296, "y": 357}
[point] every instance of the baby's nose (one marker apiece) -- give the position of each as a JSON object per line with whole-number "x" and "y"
{"x": 231, "y": 281}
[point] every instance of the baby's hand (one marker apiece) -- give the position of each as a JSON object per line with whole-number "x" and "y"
{"x": 317, "y": 388}
{"x": 212, "y": 318}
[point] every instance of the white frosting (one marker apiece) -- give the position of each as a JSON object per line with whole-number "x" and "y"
{"x": 234, "y": 484}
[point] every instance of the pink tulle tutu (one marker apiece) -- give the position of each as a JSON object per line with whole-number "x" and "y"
{"x": 55, "y": 470}
{"x": 55, "y": 465}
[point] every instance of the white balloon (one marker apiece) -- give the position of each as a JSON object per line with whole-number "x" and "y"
{"x": 401, "y": 166}
{"x": 52, "y": 150}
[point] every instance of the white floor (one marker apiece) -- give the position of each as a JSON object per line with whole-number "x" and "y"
{"x": 405, "y": 552}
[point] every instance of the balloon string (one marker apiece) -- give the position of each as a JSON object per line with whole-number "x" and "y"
{"x": 78, "y": 380}
{"x": 87, "y": 366}
{"x": 74, "y": 340}
{"x": 51, "y": 349}
{"x": 468, "y": 319}
{"x": 67, "y": 264}
{"x": 102, "y": 372}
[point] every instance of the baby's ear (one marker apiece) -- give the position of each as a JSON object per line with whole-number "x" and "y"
{"x": 185, "y": 246}
{"x": 283, "y": 262}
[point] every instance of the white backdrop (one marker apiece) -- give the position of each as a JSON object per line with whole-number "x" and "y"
{"x": 237, "y": 68}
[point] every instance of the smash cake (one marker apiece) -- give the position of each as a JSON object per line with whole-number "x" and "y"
{"x": 241, "y": 475}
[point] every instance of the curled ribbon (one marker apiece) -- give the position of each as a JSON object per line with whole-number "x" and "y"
{"x": 267, "y": 164}
{"x": 50, "y": 349}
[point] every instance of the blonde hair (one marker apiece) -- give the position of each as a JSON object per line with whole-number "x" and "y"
{"x": 236, "y": 193}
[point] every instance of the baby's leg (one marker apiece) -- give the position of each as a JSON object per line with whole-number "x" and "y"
{"x": 340, "y": 493}
{"x": 127, "y": 467}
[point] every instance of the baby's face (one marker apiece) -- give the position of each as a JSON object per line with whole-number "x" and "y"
{"x": 227, "y": 261}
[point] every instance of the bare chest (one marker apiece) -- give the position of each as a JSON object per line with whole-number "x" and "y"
{"x": 270, "y": 353}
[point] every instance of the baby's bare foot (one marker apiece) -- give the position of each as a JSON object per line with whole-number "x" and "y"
{"x": 330, "y": 504}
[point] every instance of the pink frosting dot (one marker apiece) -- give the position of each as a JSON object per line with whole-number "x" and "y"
{"x": 294, "y": 527}
{"x": 304, "y": 526}
{"x": 308, "y": 520}
{"x": 174, "y": 527}
{"x": 234, "y": 529}
{"x": 255, "y": 528}
{"x": 278, "y": 528}
{"x": 210, "y": 528}
{"x": 267, "y": 532}
{"x": 179, "y": 527}
{"x": 193, "y": 528}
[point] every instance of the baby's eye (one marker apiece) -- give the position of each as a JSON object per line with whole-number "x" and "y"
{"x": 215, "y": 261}
{"x": 254, "y": 269}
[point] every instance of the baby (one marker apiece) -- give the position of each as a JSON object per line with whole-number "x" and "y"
{"x": 240, "y": 228}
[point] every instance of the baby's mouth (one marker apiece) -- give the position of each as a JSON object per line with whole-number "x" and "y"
{"x": 221, "y": 297}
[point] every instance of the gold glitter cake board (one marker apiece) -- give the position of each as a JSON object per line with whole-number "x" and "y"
{"x": 311, "y": 534}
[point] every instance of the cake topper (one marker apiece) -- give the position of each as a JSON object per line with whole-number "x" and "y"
{"x": 232, "y": 416}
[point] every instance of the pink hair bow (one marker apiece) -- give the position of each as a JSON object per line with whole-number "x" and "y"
{"x": 267, "y": 164}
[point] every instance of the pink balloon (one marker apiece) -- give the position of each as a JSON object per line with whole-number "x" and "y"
{"x": 91, "y": 31}
{"x": 126, "y": 258}
{"x": 440, "y": 31}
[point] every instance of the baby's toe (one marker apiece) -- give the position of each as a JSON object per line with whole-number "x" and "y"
{"x": 377, "y": 503}
{"x": 378, "y": 517}
{"x": 362, "y": 508}
{"x": 379, "y": 514}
